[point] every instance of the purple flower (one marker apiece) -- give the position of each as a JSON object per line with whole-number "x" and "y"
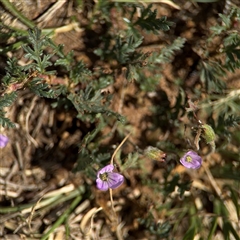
{"x": 3, "y": 141}
{"x": 191, "y": 160}
{"x": 106, "y": 178}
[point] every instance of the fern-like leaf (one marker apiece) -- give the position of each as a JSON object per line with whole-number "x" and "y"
{"x": 168, "y": 52}
{"x": 149, "y": 21}
{"x": 7, "y": 99}
{"x": 210, "y": 75}
{"x": 5, "y": 122}
{"x": 124, "y": 48}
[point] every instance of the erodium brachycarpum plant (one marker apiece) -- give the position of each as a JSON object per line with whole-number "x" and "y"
{"x": 211, "y": 122}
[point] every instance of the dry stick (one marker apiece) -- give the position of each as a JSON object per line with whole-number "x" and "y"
{"x": 50, "y": 13}
{"x": 20, "y": 161}
{"x": 33, "y": 103}
{"x": 85, "y": 219}
{"x": 29, "y": 219}
{"x": 212, "y": 180}
{"x": 40, "y": 122}
{"x": 118, "y": 232}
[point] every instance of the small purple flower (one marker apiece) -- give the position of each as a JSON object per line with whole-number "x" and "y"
{"x": 191, "y": 160}
{"x": 3, "y": 141}
{"x": 106, "y": 178}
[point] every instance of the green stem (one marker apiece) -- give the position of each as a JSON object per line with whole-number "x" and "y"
{"x": 49, "y": 202}
{"x": 29, "y": 205}
{"x": 63, "y": 217}
{"x": 11, "y": 8}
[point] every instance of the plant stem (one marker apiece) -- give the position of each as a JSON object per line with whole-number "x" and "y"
{"x": 11, "y": 8}
{"x": 53, "y": 201}
{"x": 63, "y": 217}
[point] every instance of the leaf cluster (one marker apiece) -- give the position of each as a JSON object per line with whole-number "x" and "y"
{"x": 89, "y": 154}
{"x": 160, "y": 230}
{"x": 224, "y": 123}
{"x": 5, "y": 101}
{"x": 150, "y": 22}
{"x": 211, "y": 76}
{"x": 124, "y": 49}
{"x": 88, "y": 103}
{"x": 228, "y": 59}
{"x": 35, "y": 52}
{"x": 167, "y": 53}
{"x": 228, "y": 21}
{"x": 232, "y": 51}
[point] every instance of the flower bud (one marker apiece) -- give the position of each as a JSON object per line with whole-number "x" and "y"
{"x": 208, "y": 133}
{"x": 155, "y": 154}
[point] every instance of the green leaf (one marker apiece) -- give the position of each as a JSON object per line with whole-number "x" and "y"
{"x": 189, "y": 234}
{"x": 124, "y": 48}
{"x": 210, "y": 75}
{"x": 42, "y": 89}
{"x": 5, "y": 122}
{"x": 7, "y": 99}
{"x": 212, "y": 228}
{"x": 132, "y": 161}
{"x": 79, "y": 73}
{"x": 168, "y": 52}
{"x": 149, "y": 21}
{"x": 89, "y": 102}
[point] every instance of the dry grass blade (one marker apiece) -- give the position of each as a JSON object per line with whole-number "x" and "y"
{"x": 46, "y": 17}
{"x": 89, "y": 216}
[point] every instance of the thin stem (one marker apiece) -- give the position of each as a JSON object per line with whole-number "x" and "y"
{"x": 11, "y": 8}
{"x": 115, "y": 152}
{"x": 111, "y": 199}
{"x": 53, "y": 201}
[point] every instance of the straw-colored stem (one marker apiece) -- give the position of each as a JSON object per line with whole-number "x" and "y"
{"x": 111, "y": 199}
{"x": 115, "y": 152}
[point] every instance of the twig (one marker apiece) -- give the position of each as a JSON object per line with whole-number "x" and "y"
{"x": 27, "y": 119}
{"x": 29, "y": 219}
{"x": 85, "y": 219}
{"x": 51, "y": 12}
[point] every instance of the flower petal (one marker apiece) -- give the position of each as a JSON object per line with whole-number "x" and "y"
{"x": 3, "y": 141}
{"x": 108, "y": 168}
{"x": 115, "y": 180}
{"x": 102, "y": 185}
{"x": 196, "y": 160}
